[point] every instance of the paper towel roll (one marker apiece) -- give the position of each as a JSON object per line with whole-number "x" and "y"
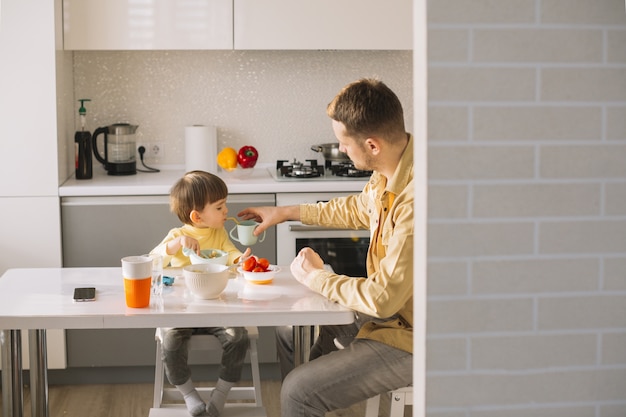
{"x": 201, "y": 148}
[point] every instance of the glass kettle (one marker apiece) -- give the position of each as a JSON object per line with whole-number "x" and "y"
{"x": 119, "y": 148}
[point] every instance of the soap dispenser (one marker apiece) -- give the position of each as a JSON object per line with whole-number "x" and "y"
{"x": 82, "y": 144}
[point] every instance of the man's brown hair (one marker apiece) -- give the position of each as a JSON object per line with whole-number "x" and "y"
{"x": 368, "y": 107}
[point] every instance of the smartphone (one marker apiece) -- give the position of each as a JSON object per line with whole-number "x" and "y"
{"x": 84, "y": 294}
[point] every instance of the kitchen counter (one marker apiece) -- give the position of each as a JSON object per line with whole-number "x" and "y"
{"x": 159, "y": 183}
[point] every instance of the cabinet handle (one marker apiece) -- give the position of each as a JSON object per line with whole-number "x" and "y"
{"x": 302, "y": 228}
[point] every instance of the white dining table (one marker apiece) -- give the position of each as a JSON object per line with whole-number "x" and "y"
{"x": 37, "y": 299}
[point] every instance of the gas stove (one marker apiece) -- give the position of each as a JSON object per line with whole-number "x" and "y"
{"x": 312, "y": 171}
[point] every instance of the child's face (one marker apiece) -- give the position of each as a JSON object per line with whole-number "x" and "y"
{"x": 213, "y": 215}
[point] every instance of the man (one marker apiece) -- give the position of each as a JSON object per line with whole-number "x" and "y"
{"x": 374, "y": 355}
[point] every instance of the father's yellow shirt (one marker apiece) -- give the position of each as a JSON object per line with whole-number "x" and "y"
{"x": 386, "y": 209}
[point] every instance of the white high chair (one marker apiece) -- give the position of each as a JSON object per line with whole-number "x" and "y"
{"x": 399, "y": 398}
{"x": 165, "y": 396}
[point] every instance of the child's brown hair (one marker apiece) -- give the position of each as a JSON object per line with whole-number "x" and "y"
{"x": 195, "y": 190}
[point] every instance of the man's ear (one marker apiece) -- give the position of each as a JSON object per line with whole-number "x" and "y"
{"x": 373, "y": 145}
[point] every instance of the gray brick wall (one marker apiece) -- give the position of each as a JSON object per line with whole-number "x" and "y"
{"x": 527, "y": 208}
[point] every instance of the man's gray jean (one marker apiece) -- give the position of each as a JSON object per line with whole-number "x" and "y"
{"x": 335, "y": 379}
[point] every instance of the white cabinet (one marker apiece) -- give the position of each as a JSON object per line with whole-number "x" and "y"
{"x": 31, "y": 230}
{"x": 323, "y": 24}
{"x": 238, "y": 24}
{"x": 29, "y": 172}
{"x": 28, "y": 100}
{"x": 157, "y": 24}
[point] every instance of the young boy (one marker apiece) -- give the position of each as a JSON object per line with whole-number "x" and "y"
{"x": 199, "y": 201}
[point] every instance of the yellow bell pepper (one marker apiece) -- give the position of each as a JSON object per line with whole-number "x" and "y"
{"x": 227, "y": 159}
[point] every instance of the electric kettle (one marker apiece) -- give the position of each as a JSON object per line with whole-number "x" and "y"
{"x": 119, "y": 148}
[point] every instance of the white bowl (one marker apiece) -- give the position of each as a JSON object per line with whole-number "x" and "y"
{"x": 260, "y": 277}
{"x": 206, "y": 281}
{"x": 254, "y": 292}
{"x": 211, "y": 256}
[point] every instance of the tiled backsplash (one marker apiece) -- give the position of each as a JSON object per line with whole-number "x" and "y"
{"x": 273, "y": 100}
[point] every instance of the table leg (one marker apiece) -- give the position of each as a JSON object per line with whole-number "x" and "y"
{"x": 303, "y": 339}
{"x": 38, "y": 373}
{"x": 12, "y": 391}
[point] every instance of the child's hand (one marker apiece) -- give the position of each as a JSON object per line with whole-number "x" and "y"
{"x": 190, "y": 243}
{"x": 246, "y": 255}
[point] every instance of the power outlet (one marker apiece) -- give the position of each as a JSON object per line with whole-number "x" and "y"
{"x": 154, "y": 150}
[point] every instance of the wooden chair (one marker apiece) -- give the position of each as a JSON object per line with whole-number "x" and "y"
{"x": 253, "y": 405}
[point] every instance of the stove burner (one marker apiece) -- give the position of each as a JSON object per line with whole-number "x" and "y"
{"x": 303, "y": 172}
{"x": 346, "y": 169}
{"x": 311, "y": 169}
{"x": 297, "y": 169}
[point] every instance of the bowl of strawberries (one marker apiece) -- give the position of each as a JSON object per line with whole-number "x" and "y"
{"x": 258, "y": 270}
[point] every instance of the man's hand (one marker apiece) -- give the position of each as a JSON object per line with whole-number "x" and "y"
{"x": 269, "y": 216}
{"x": 306, "y": 262}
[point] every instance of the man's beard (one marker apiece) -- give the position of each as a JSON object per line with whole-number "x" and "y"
{"x": 367, "y": 164}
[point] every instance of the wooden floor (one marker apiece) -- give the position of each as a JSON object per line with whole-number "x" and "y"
{"x": 135, "y": 400}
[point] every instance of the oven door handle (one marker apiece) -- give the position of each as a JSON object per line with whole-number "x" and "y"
{"x": 304, "y": 228}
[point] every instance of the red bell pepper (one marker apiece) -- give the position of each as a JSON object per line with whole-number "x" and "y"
{"x": 247, "y": 156}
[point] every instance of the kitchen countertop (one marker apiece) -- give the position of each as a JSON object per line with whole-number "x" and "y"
{"x": 159, "y": 183}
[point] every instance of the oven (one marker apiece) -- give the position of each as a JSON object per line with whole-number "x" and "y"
{"x": 344, "y": 250}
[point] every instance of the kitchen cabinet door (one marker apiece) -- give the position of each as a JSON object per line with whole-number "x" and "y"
{"x": 323, "y": 24}
{"x": 32, "y": 239}
{"x": 28, "y": 99}
{"x": 31, "y": 232}
{"x": 158, "y": 24}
